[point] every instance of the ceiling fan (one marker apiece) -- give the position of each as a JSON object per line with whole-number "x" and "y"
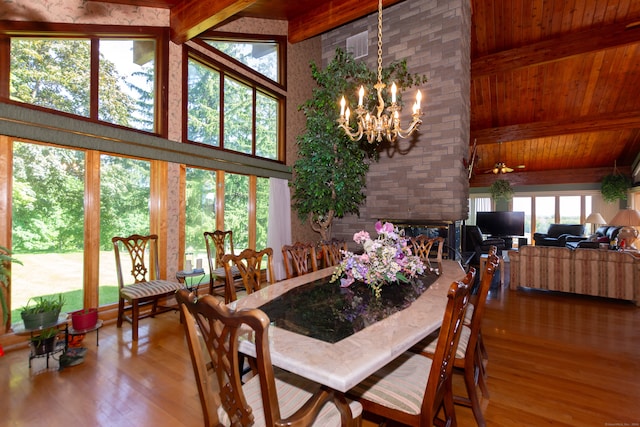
{"x": 501, "y": 167}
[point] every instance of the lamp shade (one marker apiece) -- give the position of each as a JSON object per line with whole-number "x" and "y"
{"x": 595, "y": 218}
{"x": 626, "y": 217}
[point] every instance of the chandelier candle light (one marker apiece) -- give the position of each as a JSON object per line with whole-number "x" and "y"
{"x": 378, "y": 125}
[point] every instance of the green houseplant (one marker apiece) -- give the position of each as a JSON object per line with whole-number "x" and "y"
{"x": 330, "y": 171}
{"x": 45, "y": 341}
{"x": 614, "y": 187}
{"x": 41, "y": 312}
{"x": 501, "y": 189}
{"x": 5, "y": 272}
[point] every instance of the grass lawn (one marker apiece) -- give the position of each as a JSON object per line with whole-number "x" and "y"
{"x": 47, "y": 274}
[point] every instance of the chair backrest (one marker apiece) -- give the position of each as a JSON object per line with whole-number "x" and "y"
{"x": 219, "y": 328}
{"x": 480, "y": 298}
{"x": 299, "y": 258}
{"x": 249, "y": 264}
{"x": 218, "y": 244}
{"x": 136, "y": 246}
{"x": 331, "y": 254}
{"x": 440, "y": 377}
{"x": 473, "y": 237}
{"x": 421, "y": 246}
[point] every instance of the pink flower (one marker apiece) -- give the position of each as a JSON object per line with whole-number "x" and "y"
{"x": 387, "y": 227}
{"x": 361, "y": 237}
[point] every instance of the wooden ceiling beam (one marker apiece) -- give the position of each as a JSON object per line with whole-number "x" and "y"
{"x": 599, "y": 123}
{"x": 327, "y": 15}
{"x": 556, "y": 49}
{"x": 192, "y": 17}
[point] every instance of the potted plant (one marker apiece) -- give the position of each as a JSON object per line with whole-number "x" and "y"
{"x": 501, "y": 189}
{"x": 5, "y": 260}
{"x": 45, "y": 341}
{"x": 84, "y": 319}
{"x": 41, "y": 312}
{"x": 614, "y": 187}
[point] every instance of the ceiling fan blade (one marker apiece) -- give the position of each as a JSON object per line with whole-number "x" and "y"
{"x": 506, "y": 169}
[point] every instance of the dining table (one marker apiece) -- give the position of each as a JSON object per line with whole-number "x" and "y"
{"x": 343, "y": 364}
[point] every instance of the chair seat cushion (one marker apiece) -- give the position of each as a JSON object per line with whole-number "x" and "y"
{"x": 428, "y": 345}
{"x": 293, "y": 391}
{"x": 400, "y": 385}
{"x": 148, "y": 289}
{"x": 220, "y": 273}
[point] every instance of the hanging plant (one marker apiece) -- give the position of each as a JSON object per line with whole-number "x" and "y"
{"x": 501, "y": 189}
{"x": 614, "y": 187}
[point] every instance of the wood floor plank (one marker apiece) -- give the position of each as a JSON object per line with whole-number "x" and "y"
{"x": 554, "y": 360}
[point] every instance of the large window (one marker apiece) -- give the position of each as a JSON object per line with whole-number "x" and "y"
{"x": 231, "y": 111}
{"x": 58, "y": 73}
{"x": 48, "y": 224}
{"x": 124, "y": 210}
{"x": 261, "y": 56}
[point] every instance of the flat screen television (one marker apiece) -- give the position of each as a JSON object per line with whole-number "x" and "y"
{"x": 501, "y": 224}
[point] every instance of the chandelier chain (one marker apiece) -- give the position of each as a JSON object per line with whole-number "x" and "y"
{"x": 379, "y": 41}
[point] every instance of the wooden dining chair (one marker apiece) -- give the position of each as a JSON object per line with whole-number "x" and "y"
{"x": 422, "y": 245}
{"x": 414, "y": 389}
{"x": 249, "y": 264}
{"x": 468, "y": 358}
{"x": 268, "y": 398}
{"x": 299, "y": 258}
{"x": 147, "y": 288}
{"x": 218, "y": 243}
{"x": 331, "y": 254}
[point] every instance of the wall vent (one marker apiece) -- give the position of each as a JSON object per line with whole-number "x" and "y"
{"x": 358, "y": 45}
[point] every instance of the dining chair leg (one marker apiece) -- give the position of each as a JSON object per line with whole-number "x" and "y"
{"x": 473, "y": 400}
{"x": 135, "y": 313}
{"x": 120, "y": 312}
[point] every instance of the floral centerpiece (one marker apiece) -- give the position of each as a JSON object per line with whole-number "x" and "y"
{"x": 385, "y": 260}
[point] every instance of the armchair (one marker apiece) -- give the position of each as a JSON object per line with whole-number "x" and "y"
{"x": 557, "y": 234}
{"x": 479, "y": 245}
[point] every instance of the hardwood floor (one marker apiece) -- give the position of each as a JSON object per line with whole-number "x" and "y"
{"x": 554, "y": 360}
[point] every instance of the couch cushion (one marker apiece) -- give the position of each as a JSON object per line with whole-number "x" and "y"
{"x": 557, "y": 230}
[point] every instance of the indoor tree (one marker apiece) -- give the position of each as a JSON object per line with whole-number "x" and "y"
{"x": 329, "y": 175}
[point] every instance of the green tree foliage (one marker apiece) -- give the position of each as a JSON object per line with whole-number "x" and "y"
{"x": 200, "y": 206}
{"x": 330, "y": 172}
{"x": 51, "y": 73}
{"x": 48, "y": 194}
{"x": 124, "y": 198}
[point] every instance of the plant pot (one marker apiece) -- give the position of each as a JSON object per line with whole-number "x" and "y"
{"x": 40, "y": 320}
{"x": 44, "y": 345}
{"x": 84, "y": 319}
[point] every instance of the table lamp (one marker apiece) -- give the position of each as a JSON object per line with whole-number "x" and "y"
{"x": 595, "y": 219}
{"x": 627, "y": 218}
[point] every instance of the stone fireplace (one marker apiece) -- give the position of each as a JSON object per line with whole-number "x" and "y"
{"x": 420, "y": 182}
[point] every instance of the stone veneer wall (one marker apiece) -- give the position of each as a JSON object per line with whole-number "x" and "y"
{"x": 423, "y": 179}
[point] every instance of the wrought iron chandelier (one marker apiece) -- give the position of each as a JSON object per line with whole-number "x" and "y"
{"x": 379, "y": 124}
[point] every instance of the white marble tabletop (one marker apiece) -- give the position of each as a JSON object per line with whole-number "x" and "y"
{"x": 344, "y": 364}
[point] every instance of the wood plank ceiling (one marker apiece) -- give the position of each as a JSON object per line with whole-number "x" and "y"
{"x": 555, "y": 90}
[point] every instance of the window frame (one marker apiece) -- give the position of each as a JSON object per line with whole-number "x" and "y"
{"x": 191, "y": 54}
{"x": 9, "y": 29}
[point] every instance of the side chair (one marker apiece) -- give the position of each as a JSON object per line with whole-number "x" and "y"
{"x": 270, "y": 398}
{"x": 414, "y": 389}
{"x": 331, "y": 254}
{"x": 219, "y": 243}
{"x": 468, "y": 357}
{"x": 421, "y": 246}
{"x": 249, "y": 264}
{"x": 146, "y": 288}
{"x": 299, "y": 258}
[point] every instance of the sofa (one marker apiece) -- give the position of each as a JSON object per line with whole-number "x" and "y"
{"x": 557, "y": 234}
{"x": 604, "y": 234}
{"x": 602, "y": 273}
